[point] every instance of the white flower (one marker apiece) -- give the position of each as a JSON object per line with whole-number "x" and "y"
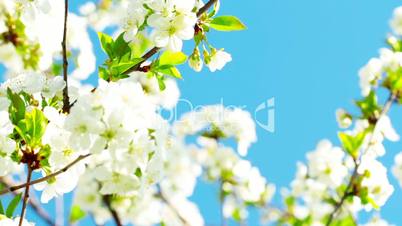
{"x": 52, "y": 86}
{"x": 14, "y": 222}
{"x": 391, "y": 60}
{"x": 54, "y": 187}
{"x": 134, "y": 19}
{"x": 369, "y": 74}
{"x": 231, "y": 122}
{"x": 376, "y": 181}
{"x": 7, "y": 145}
{"x": 116, "y": 183}
{"x": 326, "y": 164}
{"x": 396, "y": 21}
{"x": 218, "y": 59}
{"x": 6, "y": 127}
{"x": 397, "y": 168}
{"x": 170, "y": 32}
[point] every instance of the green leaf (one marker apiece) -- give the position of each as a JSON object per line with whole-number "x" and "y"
{"x": 369, "y": 105}
{"x": 106, "y": 43}
{"x": 172, "y": 58}
{"x": 141, "y": 45}
{"x": 161, "y": 82}
{"x": 120, "y": 46}
{"x": 1, "y": 208}
{"x": 17, "y": 107}
{"x": 227, "y": 23}
{"x": 124, "y": 66}
{"x": 32, "y": 128}
{"x": 13, "y": 205}
{"x": 169, "y": 70}
{"x": 103, "y": 73}
{"x": 351, "y": 144}
{"x": 76, "y": 214}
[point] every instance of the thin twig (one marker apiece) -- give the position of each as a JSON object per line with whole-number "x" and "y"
{"x": 26, "y": 195}
{"x": 205, "y": 7}
{"x": 339, "y": 204}
{"x": 64, "y": 169}
{"x": 154, "y": 50}
{"x": 115, "y": 215}
{"x": 66, "y": 99}
{"x": 33, "y": 203}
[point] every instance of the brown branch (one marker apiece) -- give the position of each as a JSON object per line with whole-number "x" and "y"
{"x": 52, "y": 175}
{"x": 385, "y": 110}
{"x": 66, "y": 99}
{"x": 115, "y": 215}
{"x": 26, "y": 195}
{"x": 154, "y": 50}
{"x": 205, "y": 7}
{"x": 33, "y": 203}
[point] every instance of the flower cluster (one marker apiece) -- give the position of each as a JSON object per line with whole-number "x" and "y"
{"x": 219, "y": 122}
{"x": 26, "y": 43}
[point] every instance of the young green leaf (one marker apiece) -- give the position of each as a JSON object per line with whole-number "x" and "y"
{"x": 1, "y": 208}
{"x": 17, "y": 107}
{"x": 13, "y": 205}
{"x": 141, "y": 45}
{"x": 76, "y": 214}
{"x": 169, "y": 70}
{"x": 172, "y": 58}
{"x": 32, "y": 128}
{"x": 106, "y": 43}
{"x": 120, "y": 46}
{"x": 227, "y": 23}
{"x": 124, "y": 66}
{"x": 103, "y": 73}
{"x": 351, "y": 144}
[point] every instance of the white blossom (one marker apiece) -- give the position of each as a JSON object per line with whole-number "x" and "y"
{"x": 396, "y": 21}
{"x": 218, "y": 59}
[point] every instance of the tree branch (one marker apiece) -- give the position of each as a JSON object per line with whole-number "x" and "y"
{"x": 9, "y": 182}
{"x": 66, "y": 99}
{"x": 115, "y": 215}
{"x": 205, "y": 7}
{"x": 64, "y": 169}
{"x": 26, "y": 195}
{"x": 154, "y": 50}
{"x": 385, "y": 110}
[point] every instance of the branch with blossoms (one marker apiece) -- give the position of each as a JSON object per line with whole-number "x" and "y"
{"x": 128, "y": 165}
{"x": 339, "y": 182}
{"x": 347, "y": 193}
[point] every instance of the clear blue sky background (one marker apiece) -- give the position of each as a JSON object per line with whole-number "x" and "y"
{"x": 306, "y": 55}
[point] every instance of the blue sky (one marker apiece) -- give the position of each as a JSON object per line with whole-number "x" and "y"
{"x": 306, "y": 55}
